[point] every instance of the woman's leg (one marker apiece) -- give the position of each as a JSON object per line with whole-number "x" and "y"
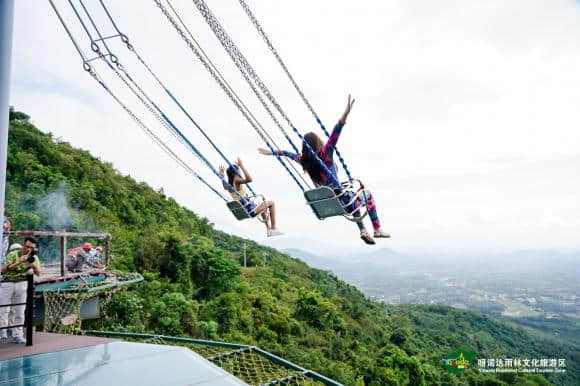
{"x": 272, "y": 209}
{"x": 372, "y": 209}
{"x": 265, "y": 208}
{"x": 262, "y": 210}
{"x": 354, "y": 210}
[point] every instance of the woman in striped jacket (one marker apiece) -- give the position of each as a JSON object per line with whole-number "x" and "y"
{"x": 320, "y": 177}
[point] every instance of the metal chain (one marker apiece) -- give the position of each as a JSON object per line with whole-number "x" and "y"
{"x": 225, "y": 82}
{"x": 242, "y": 64}
{"x": 155, "y": 138}
{"x": 158, "y": 114}
{"x": 256, "y": 24}
{"x": 162, "y": 118}
{"x": 223, "y": 87}
{"x": 218, "y": 73}
{"x": 239, "y": 59}
{"x": 89, "y": 69}
{"x": 262, "y": 33}
{"x": 125, "y": 40}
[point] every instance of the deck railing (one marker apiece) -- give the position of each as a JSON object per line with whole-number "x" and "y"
{"x": 29, "y": 312}
{"x": 249, "y": 363}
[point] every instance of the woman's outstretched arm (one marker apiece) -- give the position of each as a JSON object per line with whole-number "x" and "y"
{"x": 330, "y": 145}
{"x": 281, "y": 153}
{"x": 247, "y": 178}
{"x": 222, "y": 173}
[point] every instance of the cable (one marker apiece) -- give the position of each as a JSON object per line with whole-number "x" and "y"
{"x": 131, "y": 48}
{"x": 246, "y": 69}
{"x": 225, "y": 89}
{"x": 151, "y": 134}
{"x": 143, "y": 97}
{"x": 262, "y": 33}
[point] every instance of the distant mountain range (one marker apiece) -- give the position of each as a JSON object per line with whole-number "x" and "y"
{"x": 532, "y": 260}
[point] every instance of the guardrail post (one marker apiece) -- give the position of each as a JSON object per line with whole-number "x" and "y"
{"x": 107, "y": 252}
{"x": 62, "y": 254}
{"x": 29, "y": 306}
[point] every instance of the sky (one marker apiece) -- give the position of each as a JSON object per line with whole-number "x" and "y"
{"x": 465, "y": 125}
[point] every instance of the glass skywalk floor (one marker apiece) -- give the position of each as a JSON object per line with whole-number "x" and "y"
{"x": 115, "y": 363}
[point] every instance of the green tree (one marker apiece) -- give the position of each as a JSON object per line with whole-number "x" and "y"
{"x": 212, "y": 269}
{"x": 175, "y": 262}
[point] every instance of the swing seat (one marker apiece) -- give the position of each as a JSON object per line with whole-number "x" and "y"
{"x": 238, "y": 210}
{"x": 326, "y": 202}
{"x": 243, "y": 211}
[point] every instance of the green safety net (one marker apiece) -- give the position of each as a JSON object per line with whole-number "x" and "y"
{"x": 63, "y": 299}
{"x": 62, "y": 311}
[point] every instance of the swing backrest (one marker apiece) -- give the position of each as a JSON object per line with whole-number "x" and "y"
{"x": 323, "y": 202}
{"x": 238, "y": 210}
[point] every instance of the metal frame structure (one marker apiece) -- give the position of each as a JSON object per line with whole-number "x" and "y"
{"x": 63, "y": 237}
{"x": 298, "y": 371}
{"x": 6, "y": 22}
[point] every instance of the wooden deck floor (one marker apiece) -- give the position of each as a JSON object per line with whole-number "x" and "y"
{"x": 45, "y": 342}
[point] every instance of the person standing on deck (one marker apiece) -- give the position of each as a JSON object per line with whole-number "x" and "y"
{"x": 13, "y": 287}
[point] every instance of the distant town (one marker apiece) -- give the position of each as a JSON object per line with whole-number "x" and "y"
{"x": 543, "y": 294}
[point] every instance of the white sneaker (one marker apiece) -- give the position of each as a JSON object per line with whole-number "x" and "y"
{"x": 366, "y": 237}
{"x": 381, "y": 233}
{"x": 19, "y": 340}
{"x": 274, "y": 232}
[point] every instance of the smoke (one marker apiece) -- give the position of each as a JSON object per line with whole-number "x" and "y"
{"x": 54, "y": 209}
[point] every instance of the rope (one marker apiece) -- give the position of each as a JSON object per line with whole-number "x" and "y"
{"x": 132, "y": 49}
{"x": 225, "y": 89}
{"x": 256, "y": 24}
{"x": 144, "y": 98}
{"x": 246, "y": 69}
{"x": 151, "y": 134}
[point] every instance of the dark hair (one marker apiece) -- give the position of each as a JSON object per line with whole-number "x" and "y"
{"x": 232, "y": 171}
{"x": 32, "y": 240}
{"x": 308, "y": 160}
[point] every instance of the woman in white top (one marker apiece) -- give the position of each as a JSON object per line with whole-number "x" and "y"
{"x": 263, "y": 209}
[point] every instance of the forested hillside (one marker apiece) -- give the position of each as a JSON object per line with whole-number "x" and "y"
{"x": 196, "y": 286}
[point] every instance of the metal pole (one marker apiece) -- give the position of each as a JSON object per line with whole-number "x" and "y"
{"x": 62, "y": 254}
{"x": 107, "y": 252}
{"x": 29, "y": 306}
{"x": 6, "y": 20}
